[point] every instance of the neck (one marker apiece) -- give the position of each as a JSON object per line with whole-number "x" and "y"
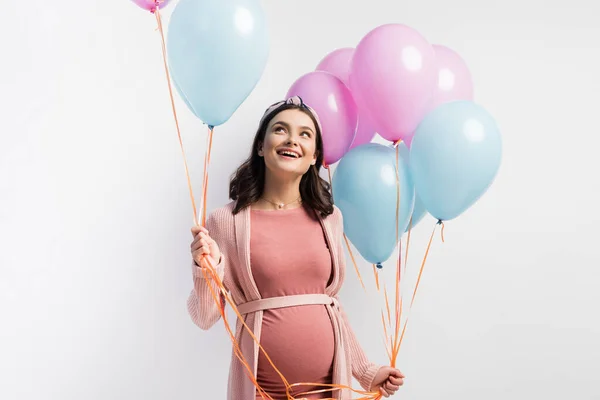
{"x": 283, "y": 191}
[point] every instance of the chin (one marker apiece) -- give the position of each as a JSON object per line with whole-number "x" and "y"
{"x": 285, "y": 169}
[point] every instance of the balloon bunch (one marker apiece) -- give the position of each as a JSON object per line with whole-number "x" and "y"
{"x": 419, "y": 96}
{"x": 445, "y": 149}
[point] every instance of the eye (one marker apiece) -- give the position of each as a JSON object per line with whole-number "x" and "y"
{"x": 306, "y": 133}
{"x": 279, "y": 129}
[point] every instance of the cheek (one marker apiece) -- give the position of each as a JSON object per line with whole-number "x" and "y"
{"x": 310, "y": 149}
{"x": 271, "y": 141}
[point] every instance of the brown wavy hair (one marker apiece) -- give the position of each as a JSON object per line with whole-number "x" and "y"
{"x": 248, "y": 182}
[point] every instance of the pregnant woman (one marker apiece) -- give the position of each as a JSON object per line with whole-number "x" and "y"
{"x": 277, "y": 247}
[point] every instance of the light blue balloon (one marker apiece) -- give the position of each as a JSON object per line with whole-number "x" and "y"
{"x": 454, "y": 157}
{"x": 419, "y": 210}
{"x": 364, "y": 188}
{"x": 217, "y": 52}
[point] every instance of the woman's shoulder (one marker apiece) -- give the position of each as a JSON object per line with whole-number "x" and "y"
{"x": 336, "y": 219}
{"x": 221, "y": 217}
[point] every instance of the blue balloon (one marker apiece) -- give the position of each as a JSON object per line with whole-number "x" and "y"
{"x": 217, "y": 52}
{"x": 418, "y": 214}
{"x": 419, "y": 210}
{"x": 454, "y": 157}
{"x": 365, "y": 190}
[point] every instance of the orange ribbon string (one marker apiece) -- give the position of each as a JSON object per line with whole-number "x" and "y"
{"x": 330, "y": 181}
{"x": 354, "y": 263}
{"x": 206, "y": 173}
{"x": 417, "y": 284}
{"x": 376, "y": 277}
{"x": 164, "y": 53}
{"x": 398, "y": 263}
{"x": 407, "y": 243}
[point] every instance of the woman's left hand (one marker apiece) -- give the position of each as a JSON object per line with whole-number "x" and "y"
{"x": 387, "y": 381}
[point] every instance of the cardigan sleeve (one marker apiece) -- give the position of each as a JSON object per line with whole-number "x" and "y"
{"x": 201, "y": 304}
{"x": 362, "y": 369}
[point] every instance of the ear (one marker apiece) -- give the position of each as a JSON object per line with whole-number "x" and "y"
{"x": 260, "y": 150}
{"x": 314, "y": 161}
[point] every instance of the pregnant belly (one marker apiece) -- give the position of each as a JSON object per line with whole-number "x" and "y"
{"x": 300, "y": 342}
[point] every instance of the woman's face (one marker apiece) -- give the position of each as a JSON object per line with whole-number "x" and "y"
{"x": 290, "y": 143}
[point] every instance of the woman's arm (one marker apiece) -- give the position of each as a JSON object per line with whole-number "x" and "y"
{"x": 201, "y": 304}
{"x": 362, "y": 369}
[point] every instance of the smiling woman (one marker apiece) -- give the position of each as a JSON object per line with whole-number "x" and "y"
{"x": 277, "y": 248}
{"x": 284, "y": 162}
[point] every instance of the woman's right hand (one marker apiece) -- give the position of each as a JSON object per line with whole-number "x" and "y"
{"x": 204, "y": 246}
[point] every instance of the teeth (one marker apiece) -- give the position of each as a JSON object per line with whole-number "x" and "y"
{"x": 288, "y": 153}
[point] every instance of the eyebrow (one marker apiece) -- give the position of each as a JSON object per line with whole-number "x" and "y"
{"x": 285, "y": 124}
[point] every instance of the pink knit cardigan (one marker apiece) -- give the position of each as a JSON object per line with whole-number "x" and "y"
{"x": 232, "y": 234}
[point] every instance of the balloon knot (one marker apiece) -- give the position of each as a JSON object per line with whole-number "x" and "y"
{"x": 440, "y": 222}
{"x": 378, "y": 265}
{"x": 211, "y": 127}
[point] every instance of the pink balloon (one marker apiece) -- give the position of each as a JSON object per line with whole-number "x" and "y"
{"x": 454, "y": 78}
{"x": 365, "y": 131}
{"x": 337, "y": 111}
{"x": 338, "y": 63}
{"x": 151, "y": 5}
{"x": 393, "y": 76}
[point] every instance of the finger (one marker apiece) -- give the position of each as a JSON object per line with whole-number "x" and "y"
{"x": 195, "y": 230}
{"x": 200, "y": 259}
{"x": 384, "y": 392}
{"x": 206, "y": 237}
{"x": 203, "y": 229}
{"x": 390, "y": 387}
{"x": 396, "y": 381}
{"x": 397, "y": 373}
{"x": 196, "y": 242}
{"x": 202, "y": 249}
{"x": 203, "y": 239}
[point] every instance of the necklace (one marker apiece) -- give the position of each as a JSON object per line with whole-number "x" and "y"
{"x": 281, "y": 205}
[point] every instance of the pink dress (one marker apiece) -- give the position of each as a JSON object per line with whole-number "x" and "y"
{"x": 289, "y": 256}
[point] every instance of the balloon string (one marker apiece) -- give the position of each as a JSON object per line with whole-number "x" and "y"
{"x": 207, "y": 155}
{"x": 398, "y": 312}
{"x": 376, "y": 277}
{"x": 354, "y": 263}
{"x": 236, "y": 347}
{"x": 330, "y": 180}
{"x": 407, "y": 243}
{"x": 417, "y": 284}
{"x": 164, "y": 53}
{"x": 227, "y": 297}
{"x": 387, "y": 305}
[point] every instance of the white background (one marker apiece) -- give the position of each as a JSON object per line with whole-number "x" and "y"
{"x": 95, "y": 214}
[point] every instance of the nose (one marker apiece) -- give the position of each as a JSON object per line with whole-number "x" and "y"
{"x": 291, "y": 141}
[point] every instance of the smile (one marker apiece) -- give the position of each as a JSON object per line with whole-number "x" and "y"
{"x": 289, "y": 153}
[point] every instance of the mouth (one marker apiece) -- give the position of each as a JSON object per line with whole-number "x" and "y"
{"x": 288, "y": 153}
